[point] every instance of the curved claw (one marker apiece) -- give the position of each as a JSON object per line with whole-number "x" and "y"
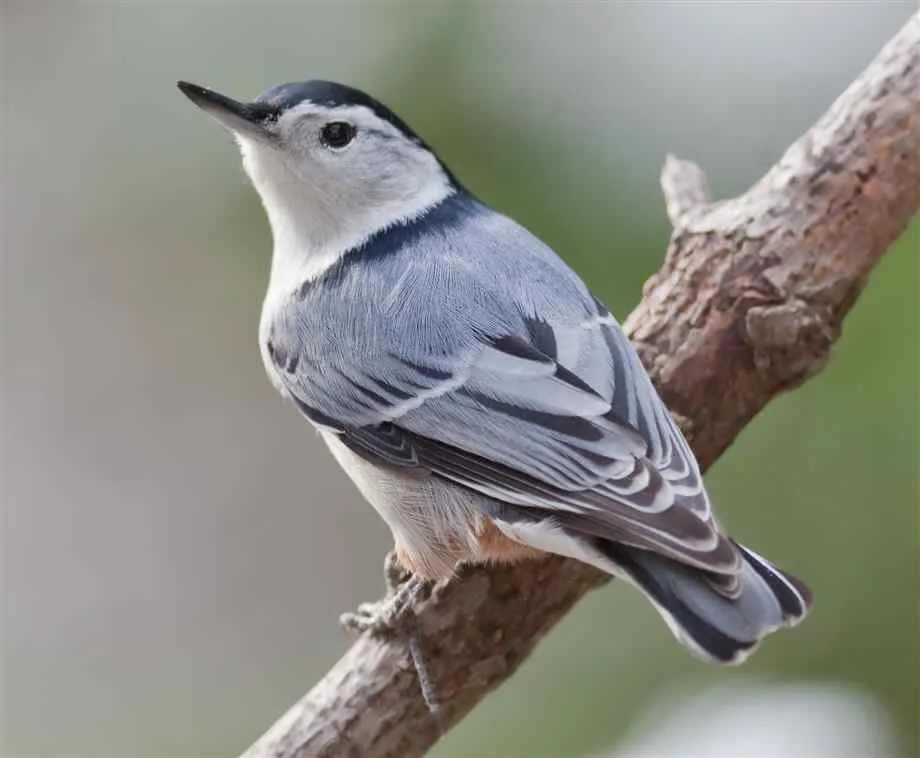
{"x": 390, "y": 615}
{"x": 394, "y": 573}
{"x": 395, "y": 615}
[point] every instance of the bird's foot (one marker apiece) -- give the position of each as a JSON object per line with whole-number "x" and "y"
{"x": 394, "y": 573}
{"x": 394, "y": 617}
{"x": 395, "y": 611}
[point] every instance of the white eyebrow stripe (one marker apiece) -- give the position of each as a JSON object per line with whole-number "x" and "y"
{"x": 360, "y": 115}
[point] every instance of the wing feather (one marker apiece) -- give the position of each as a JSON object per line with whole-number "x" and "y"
{"x": 505, "y": 418}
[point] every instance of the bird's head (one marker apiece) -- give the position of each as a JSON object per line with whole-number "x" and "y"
{"x": 332, "y": 165}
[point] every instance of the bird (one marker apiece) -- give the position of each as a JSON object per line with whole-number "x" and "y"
{"x": 481, "y": 398}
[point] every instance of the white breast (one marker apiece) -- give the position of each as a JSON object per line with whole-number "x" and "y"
{"x": 431, "y": 520}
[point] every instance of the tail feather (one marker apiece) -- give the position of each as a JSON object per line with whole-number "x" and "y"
{"x": 792, "y": 594}
{"x": 720, "y": 617}
{"x": 715, "y": 627}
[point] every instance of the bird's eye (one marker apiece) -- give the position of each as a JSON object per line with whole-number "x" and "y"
{"x": 337, "y": 134}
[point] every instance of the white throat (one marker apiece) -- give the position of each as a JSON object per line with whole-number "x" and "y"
{"x": 311, "y": 231}
{"x": 324, "y": 199}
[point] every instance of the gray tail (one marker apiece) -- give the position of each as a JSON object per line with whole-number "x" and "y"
{"x": 713, "y": 626}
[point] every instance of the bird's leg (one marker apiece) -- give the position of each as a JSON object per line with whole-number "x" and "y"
{"x": 394, "y": 573}
{"x": 391, "y": 614}
{"x": 394, "y": 615}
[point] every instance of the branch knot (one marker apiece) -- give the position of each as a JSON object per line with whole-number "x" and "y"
{"x": 790, "y": 340}
{"x": 686, "y": 191}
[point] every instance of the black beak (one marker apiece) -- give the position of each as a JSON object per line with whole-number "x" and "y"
{"x": 249, "y": 119}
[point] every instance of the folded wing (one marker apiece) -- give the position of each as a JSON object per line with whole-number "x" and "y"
{"x": 560, "y": 420}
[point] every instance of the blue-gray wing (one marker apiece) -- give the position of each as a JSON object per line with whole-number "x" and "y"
{"x": 558, "y": 417}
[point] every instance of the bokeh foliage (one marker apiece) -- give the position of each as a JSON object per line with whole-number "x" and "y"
{"x": 160, "y": 254}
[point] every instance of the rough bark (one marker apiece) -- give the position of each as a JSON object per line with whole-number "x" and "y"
{"x": 748, "y": 303}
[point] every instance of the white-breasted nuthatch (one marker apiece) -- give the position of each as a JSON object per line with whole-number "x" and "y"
{"x": 480, "y": 397}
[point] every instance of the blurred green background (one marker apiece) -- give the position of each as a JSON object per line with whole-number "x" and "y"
{"x": 177, "y": 546}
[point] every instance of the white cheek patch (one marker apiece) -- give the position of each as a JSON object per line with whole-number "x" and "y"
{"x": 321, "y": 204}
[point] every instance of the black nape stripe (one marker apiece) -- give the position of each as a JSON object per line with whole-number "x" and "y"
{"x": 449, "y": 214}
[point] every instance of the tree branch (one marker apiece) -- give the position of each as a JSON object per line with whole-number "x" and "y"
{"x": 749, "y": 300}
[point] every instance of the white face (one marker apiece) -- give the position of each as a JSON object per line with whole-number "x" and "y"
{"x": 329, "y": 177}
